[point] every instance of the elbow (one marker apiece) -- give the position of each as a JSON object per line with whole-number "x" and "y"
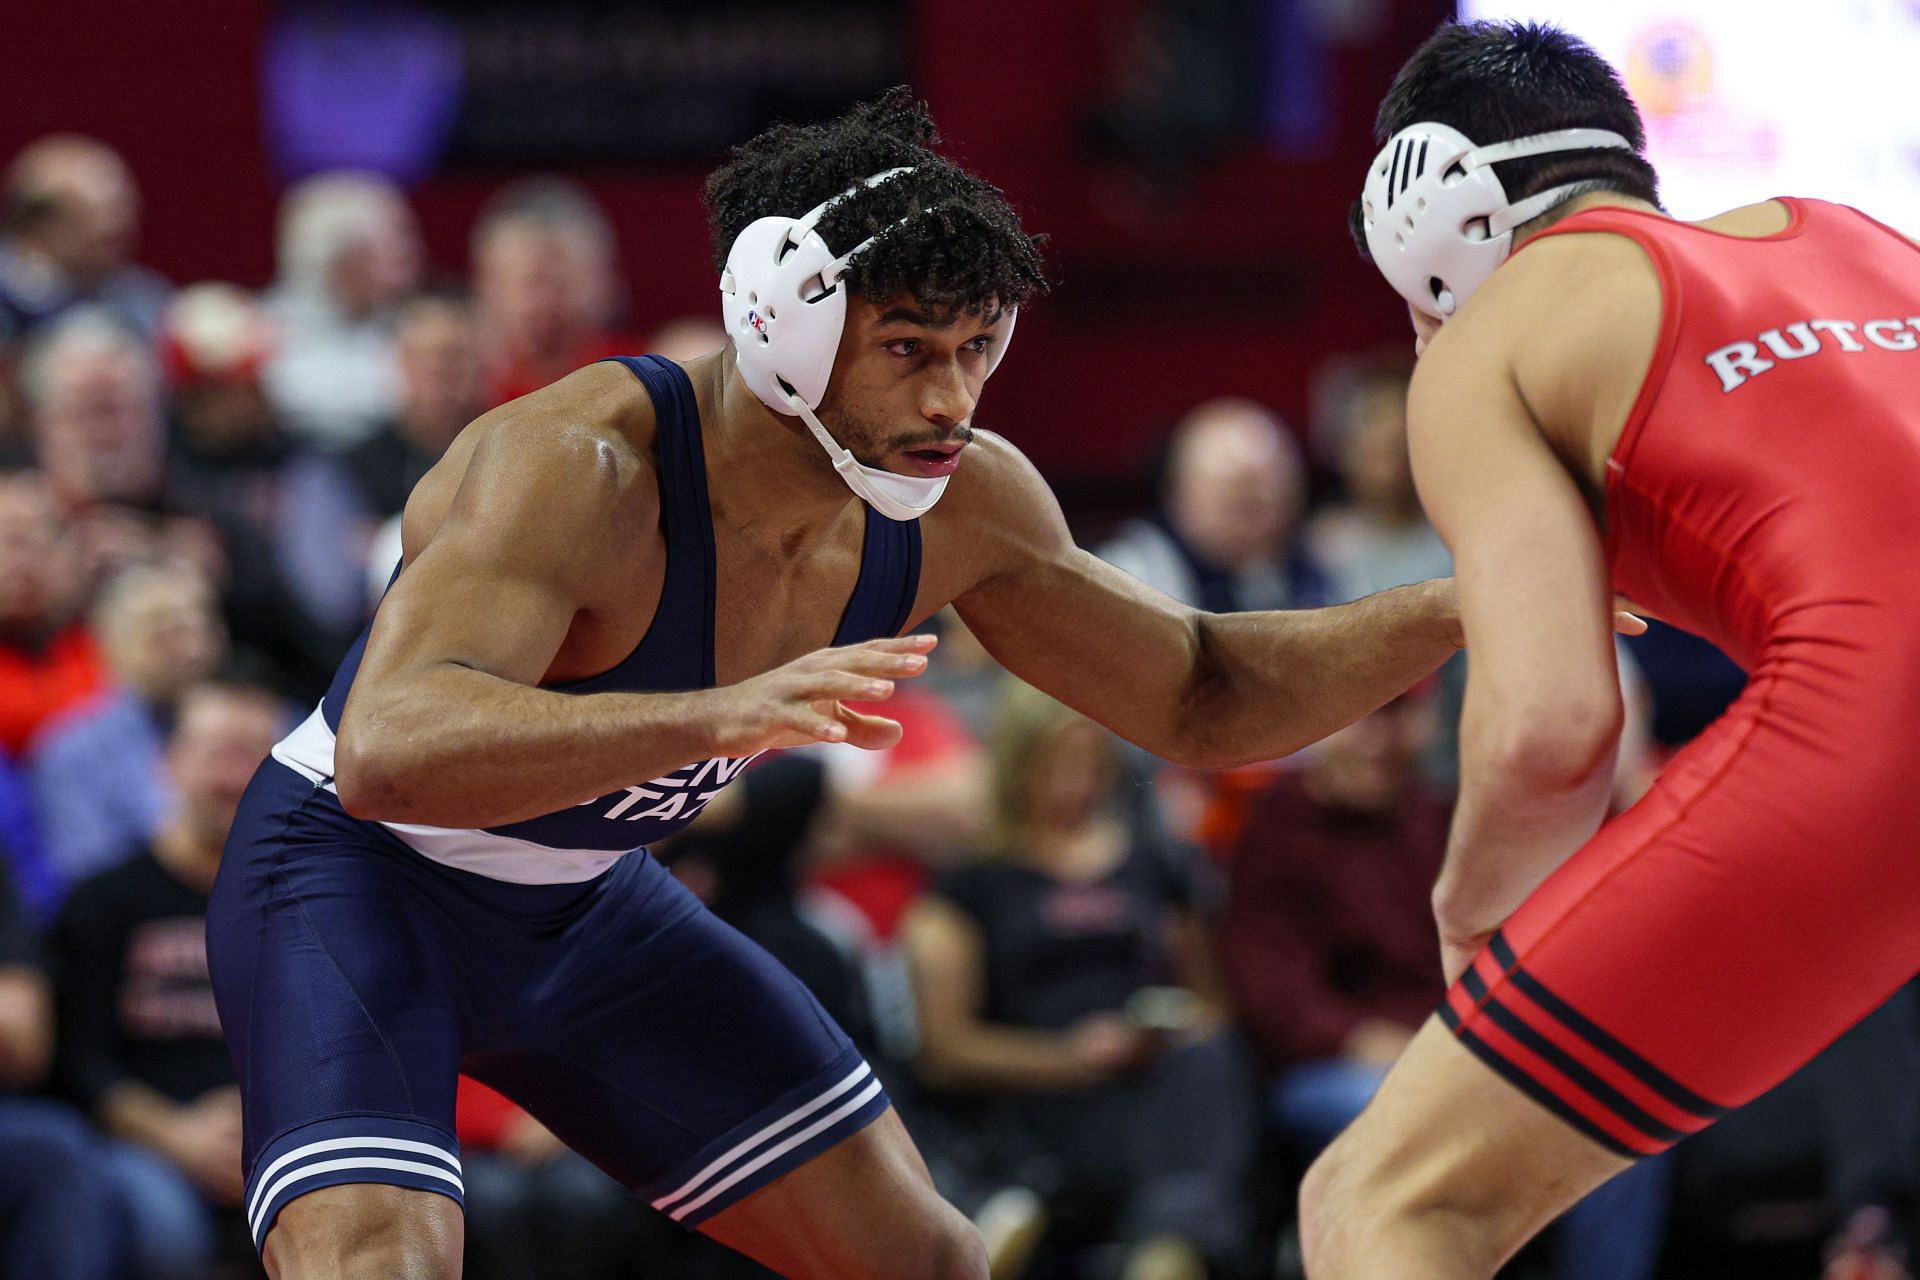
{"x": 1562, "y": 747}
{"x": 368, "y": 778}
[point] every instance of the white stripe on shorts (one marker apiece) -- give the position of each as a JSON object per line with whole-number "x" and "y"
{"x": 767, "y": 1134}
{"x": 306, "y": 1171}
{"x": 344, "y": 1144}
{"x": 826, "y": 1122}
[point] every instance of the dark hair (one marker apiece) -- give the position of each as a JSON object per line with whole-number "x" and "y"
{"x": 963, "y": 248}
{"x": 1495, "y": 81}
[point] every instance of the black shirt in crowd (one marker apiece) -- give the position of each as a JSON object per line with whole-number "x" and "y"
{"x": 129, "y": 958}
{"x": 1057, "y": 950}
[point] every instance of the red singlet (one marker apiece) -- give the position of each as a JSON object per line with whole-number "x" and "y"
{"x": 1765, "y": 895}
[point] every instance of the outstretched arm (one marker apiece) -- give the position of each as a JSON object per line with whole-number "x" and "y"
{"x": 1543, "y": 708}
{"x": 1202, "y": 689}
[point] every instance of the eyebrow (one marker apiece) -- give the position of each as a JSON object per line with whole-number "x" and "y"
{"x": 913, "y": 315}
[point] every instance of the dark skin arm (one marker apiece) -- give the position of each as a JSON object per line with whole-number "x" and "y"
{"x": 446, "y": 725}
{"x": 1208, "y": 690}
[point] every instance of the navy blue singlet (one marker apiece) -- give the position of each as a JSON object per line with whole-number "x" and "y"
{"x": 676, "y": 654}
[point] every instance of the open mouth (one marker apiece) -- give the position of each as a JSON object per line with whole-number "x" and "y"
{"x": 935, "y": 460}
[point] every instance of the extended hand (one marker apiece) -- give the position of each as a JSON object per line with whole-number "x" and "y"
{"x": 800, "y": 703}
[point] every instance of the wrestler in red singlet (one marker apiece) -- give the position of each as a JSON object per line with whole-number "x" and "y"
{"x": 1764, "y": 493}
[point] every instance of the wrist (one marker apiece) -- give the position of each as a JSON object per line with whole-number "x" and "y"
{"x": 1444, "y": 601}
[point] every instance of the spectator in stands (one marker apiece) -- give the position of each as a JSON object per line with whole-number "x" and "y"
{"x": 69, "y": 218}
{"x": 1376, "y": 536}
{"x": 544, "y": 278}
{"x": 1330, "y": 947}
{"x": 99, "y": 423}
{"x": 1068, "y": 975}
{"x": 349, "y": 251}
{"x": 277, "y": 504}
{"x": 159, "y": 628}
{"x": 1231, "y": 501}
{"x": 139, "y": 1039}
{"x": 436, "y": 340}
{"x": 58, "y": 1218}
{"x": 48, "y": 659}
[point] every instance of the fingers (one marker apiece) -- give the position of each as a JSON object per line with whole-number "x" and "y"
{"x": 827, "y": 686}
{"x": 821, "y": 726}
{"x": 873, "y": 733}
{"x": 1628, "y": 624}
{"x": 872, "y": 660}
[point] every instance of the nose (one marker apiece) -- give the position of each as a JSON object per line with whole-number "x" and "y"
{"x": 946, "y": 399}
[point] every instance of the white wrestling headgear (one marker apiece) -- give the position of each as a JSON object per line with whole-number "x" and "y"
{"x": 1437, "y": 219}
{"x": 785, "y": 309}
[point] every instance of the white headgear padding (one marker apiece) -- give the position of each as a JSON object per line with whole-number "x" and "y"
{"x": 1438, "y": 221}
{"x": 781, "y": 299}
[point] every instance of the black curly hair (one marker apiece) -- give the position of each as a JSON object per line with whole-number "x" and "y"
{"x": 1499, "y": 80}
{"x": 962, "y": 248}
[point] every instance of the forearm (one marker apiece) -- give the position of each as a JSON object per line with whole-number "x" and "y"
{"x": 456, "y": 747}
{"x": 1267, "y": 684}
{"x": 986, "y": 1056}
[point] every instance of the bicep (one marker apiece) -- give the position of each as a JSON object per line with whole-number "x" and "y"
{"x": 1075, "y": 627}
{"x": 1528, "y": 564}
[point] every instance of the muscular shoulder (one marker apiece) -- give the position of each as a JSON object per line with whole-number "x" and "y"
{"x": 1569, "y": 323}
{"x": 576, "y": 454}
{"x": 997, "y": 512}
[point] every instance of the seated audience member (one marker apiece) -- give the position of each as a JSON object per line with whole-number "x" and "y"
{"x": 349, "y": 251}
{"x": 1375, "y": 536}
{"x": 59, "y": 1219}
{"x": 48, "y": 659}
{"x": 435, "y": 339}
{"x": 534, "y": 1207}
{"x": 279, "y": 505}
{"x": 1231, "y": 501}
{"x": 1330, "y": 948}
{"x": 139, "y": 1038}
{"x": 69, "y": 220}
{"x": 1067, "y": 976}
{"x": 160, "y": 630}
{"x": 544, "y": 283}
{"x": 94, "y": 392}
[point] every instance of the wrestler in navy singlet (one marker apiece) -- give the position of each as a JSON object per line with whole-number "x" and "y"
{"x": 360, "y": 966}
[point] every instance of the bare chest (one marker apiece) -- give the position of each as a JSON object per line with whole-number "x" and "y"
{"x": 769, "y": 604}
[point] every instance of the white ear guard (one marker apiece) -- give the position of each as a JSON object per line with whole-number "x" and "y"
{"x": 785, "y": 310}
{"x": 783, "y": 306}
{"x": 1438, "y": 221}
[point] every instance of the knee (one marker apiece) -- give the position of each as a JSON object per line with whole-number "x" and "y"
{"x": 950, "y": 1248}
{"x": 960, "y": 1253}
{"x": 415, "y": 1236}
{"x": 1328, "y": 1212}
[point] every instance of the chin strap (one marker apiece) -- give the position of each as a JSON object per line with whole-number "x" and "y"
{"x": 894, "y": 496}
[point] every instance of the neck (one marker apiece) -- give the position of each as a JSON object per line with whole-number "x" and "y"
{"x": 1580, "y": 204}
{"x": 191, "y": 856}
{"x": 765, "y": 469}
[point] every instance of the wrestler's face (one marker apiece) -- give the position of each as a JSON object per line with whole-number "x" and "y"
{"x": 906, "y": 380}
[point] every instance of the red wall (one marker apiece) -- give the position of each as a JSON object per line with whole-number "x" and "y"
{"x": 1240, "y": 283}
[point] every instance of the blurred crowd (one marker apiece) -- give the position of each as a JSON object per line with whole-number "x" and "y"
{"x": 1120, "y": 1004}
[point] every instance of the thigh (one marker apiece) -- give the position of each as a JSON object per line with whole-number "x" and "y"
{"x": 1446, "y": 1136}
{"x": 679, "y": 1056}
{"x": 864, "y": 1210}
{"x": 331, "y": 971}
